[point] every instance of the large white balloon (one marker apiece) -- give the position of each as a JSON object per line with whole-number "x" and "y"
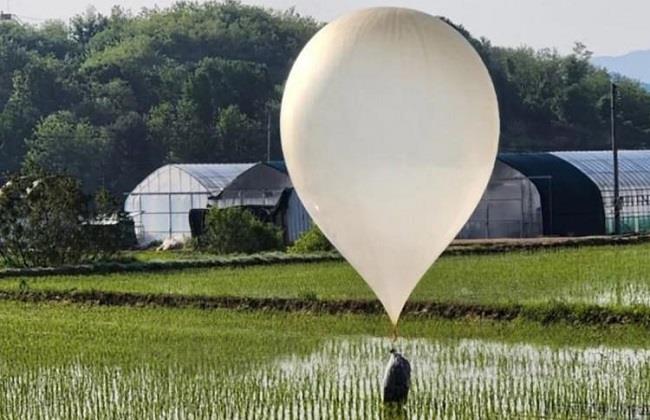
{"x": 390, "y": 129}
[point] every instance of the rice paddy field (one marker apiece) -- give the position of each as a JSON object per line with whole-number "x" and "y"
{"x": 63, "y": 360}
{"x": 603, "y": 275}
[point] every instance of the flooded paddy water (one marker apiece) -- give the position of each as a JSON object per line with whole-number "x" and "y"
{"x": 341, "y": 378}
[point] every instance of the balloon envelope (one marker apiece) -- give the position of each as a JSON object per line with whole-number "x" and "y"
{"x": 390, "y": 129}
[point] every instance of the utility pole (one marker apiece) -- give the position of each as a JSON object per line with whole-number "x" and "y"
{"x": 268, "y": 133}
{"x": 617, "y": 199}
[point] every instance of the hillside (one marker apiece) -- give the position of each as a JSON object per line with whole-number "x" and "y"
{"x": 635, "y": 65}
{"x": 197, "y": 83}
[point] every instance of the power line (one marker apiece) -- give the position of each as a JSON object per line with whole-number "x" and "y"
{"x": 31, "y": 18}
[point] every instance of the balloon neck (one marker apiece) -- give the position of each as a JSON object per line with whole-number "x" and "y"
{"x": 394, "y": 333}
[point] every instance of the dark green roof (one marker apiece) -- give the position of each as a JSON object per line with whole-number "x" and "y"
{"x": 571, "y": 201}
{"x": 278, "y": 164}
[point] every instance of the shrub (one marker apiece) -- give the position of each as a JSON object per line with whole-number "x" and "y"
{"x": 310, "y": 241}
{"x": 109, "y": 234}
{"x": 43, "y": 222}
{"x": 237, "y": 230}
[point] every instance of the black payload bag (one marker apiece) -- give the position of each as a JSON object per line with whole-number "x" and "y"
{"x": 397, "y": 379}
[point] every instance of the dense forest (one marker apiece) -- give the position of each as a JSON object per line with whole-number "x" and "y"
{"x": 107, "y": 99}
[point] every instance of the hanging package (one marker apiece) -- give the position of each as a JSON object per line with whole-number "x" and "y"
{"x": 397, "y": 379}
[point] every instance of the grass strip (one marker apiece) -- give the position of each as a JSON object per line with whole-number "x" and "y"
{"x": 273, "y": 258}
{"x": 553, "y": 312}
{"x": 131, "y": 267}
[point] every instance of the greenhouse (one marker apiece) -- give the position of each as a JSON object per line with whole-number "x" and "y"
{"x": 570, "y": 202}
{"x": 528, "y": 195}
{"x": 634, "y": 185}
{"x": 509, "y": 208}
{"x": 576, "y": 191}
{"x": 161, "y": 203}
{"x": 266, "y": 189}
{"x": 171, "y": 201}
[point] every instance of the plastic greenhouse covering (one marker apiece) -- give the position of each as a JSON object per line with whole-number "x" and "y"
{"x": 160, "y": 204}
{"x": 634, "y": 184}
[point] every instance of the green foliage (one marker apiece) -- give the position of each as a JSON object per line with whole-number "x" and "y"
{"x": 40, "y": 221}
{"x": 236, "y": 230}
{"x": 312, "y": 240}
{"x": 196, "y": 83}
{"x": 132, "y": 154}
{"x": 181, "y": 132}
{"x": 105, "y": 202}
{"x": 84, "y": 27}
{"x": 111, "y": 229}
{"x": 16, "y": 122}
{"x": 63, "y": 145}
{"x": 44, "y": 221}
{"x": 552, "y": 102}
{"x": 218, "y": 83}
{"x": 236, "y": 132}
{"x": 137, "y": 91}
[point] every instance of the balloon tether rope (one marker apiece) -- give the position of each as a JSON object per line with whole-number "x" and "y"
{"x": 394, "y": 334}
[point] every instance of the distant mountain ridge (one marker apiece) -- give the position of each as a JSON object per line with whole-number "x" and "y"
{"x": 635, "y": 65}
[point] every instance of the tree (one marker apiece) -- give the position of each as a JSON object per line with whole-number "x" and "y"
{"x": 105, "y": 203}
{"x": 84, "y": 27}
{"x": 37, "y": 89}
{"x": 196, "y": 81}
{"x": 16, "y": 122}
{"x": 239, "y": 137}
{"x": 179, "y": 129}
{"x": 132, "y": 153}
{"x": 104, "y": 103}
{"x": 218, "y": 83}
{"x": 41, "y": 221}
{"x": 63, "y": 145}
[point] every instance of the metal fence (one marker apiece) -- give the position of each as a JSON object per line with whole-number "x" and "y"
{"x": 635, "y": 209}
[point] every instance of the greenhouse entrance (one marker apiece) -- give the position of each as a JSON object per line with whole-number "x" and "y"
{"x": 510, "y": 208}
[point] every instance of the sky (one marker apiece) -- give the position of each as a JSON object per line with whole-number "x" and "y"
{"x": 607, "y": 27}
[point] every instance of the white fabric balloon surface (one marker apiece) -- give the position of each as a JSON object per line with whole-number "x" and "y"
{"x": 390, "y": 129}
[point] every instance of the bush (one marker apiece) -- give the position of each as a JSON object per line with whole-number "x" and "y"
{"x": 310, "y": 241}
{"x": 43, "y": 222}
{"x": 109, "y": 234}
{"x": 237, "y": 230}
